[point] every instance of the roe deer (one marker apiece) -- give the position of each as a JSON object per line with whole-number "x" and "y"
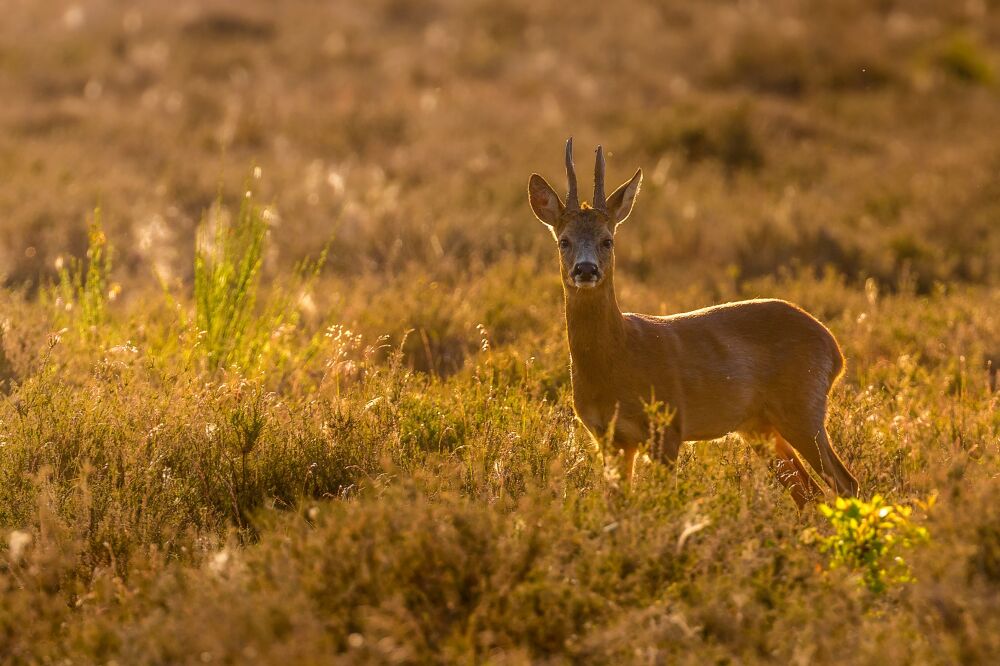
{"x": 760, "y": 368}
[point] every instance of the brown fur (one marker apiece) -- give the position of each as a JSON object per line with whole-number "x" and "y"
{"x": 761, "y": 368}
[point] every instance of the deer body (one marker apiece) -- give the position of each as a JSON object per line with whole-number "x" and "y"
{"x": 761, "y": 368}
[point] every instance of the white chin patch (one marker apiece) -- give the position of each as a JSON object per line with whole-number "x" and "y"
{"x": 584, "y": 284}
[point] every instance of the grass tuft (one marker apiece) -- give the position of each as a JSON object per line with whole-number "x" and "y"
{"x": 229, "y": 254}
{"x": 84, "y": 288}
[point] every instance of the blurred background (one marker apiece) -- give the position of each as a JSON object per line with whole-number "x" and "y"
{"x": 858, "y": 137}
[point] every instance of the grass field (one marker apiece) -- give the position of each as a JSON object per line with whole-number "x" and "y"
{"x": 283, "y": 368}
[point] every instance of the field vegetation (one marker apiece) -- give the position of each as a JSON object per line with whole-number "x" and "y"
{"x": 283, "y": 374}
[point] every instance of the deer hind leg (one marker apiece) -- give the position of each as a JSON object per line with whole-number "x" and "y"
{"x": 805, "y": 430}
{"x": 785, "y": 464}
{"x": 792, "y": 474}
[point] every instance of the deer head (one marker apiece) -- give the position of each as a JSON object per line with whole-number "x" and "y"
{"x": 584, "y": 232}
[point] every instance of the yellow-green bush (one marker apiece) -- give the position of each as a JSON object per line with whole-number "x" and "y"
{"x": 869, "y": 537}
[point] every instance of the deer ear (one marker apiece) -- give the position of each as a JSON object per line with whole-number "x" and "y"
{"x": 545, "y": 203}
{"x": 621, "y": 200}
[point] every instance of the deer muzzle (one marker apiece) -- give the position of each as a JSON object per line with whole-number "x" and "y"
{"x": 585, "y": 274}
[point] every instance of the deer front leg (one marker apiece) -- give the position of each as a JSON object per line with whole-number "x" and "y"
{"x": 664, "y": 449}
{"x": 665, "y": 444}
{"x": 626, "y": 462}
{"x": 619, "y": 456}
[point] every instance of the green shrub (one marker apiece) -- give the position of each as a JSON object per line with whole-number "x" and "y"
{"x": 869, "y": 537}
{"x": 232, "y": 329}
{"x": 228, "y": 259}
{"x": 84, "y": 288}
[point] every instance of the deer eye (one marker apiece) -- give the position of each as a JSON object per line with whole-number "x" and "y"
{"x": 563, "y": 243}
{"x": 607, "y": 243}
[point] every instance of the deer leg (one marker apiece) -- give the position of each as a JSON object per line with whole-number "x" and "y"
{"x": 664, "y": 450}
{"x": 666, "y": 445}
{"x": 785, "y": 464}
{"x": 807, "y": 435}
{"x": 846, "y": 483}
{"x": 791, "y": 473}
{"x": 626, "y": 462}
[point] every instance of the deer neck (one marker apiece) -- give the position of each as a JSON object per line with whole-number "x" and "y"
{"x": 595, "y": 326}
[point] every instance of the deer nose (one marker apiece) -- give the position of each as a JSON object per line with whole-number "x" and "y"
{"x": 586, "y": 271}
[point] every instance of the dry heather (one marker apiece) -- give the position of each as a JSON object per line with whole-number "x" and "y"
{"x": 245, "y": 450}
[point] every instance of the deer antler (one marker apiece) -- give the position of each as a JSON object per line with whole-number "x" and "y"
{"x": 600, "y": 203}
{"x": 572, "y": 202}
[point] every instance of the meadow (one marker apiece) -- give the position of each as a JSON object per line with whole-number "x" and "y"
{"x": 283, "y": 367}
